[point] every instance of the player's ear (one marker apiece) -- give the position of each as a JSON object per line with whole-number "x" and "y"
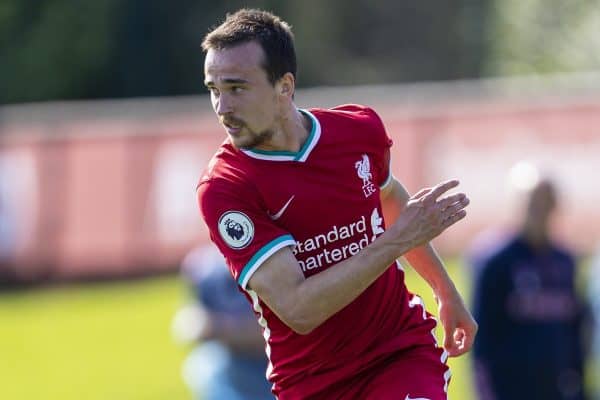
{"x": 286, "y": 85}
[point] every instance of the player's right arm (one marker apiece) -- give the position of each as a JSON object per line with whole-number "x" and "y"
{"x": 305, "y": 303}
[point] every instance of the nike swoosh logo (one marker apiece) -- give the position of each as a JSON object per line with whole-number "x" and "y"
{"x": 415, "y": 398}
{"x": 275, "y": 217}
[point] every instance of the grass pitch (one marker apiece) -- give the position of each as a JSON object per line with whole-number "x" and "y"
{"x": 112, "y": 341}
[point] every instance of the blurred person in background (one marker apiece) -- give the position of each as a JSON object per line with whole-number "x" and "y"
{"x": 228, "y": 360}
{"x": 8, "y": 227}
{"x": 295, "y": 200}
{"x": 530, "y": 342}
{"x": 485, "y": 243}
{"x": 594, "y": 297}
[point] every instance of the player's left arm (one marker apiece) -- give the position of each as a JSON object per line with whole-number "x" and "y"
{"x": 459, "y": 326}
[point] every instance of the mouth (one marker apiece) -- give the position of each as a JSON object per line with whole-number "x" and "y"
{"x": 232, "y": 127}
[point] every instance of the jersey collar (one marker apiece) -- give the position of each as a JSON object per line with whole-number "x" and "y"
{"x": 301, "y": 155}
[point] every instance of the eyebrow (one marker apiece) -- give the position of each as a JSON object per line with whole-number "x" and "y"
{"x": 228, "y": 82}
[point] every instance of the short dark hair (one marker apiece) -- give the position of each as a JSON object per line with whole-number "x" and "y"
{"x": 273, "y": 34}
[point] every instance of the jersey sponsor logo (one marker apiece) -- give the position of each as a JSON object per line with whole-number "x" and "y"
{"x": 376, "y": 222}
{"x": 236, "y": 229}
{"x": 325, "y": 248}
{"x": 363, "y": 169}
{"x": 279, "y": 213}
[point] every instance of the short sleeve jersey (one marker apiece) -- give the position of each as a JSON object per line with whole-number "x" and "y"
{"x": 323, "y": 203}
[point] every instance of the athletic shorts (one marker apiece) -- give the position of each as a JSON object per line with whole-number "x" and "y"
{"x": 419, "y": 373}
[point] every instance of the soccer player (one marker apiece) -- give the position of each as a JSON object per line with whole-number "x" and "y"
{"x": 293, "y": 199}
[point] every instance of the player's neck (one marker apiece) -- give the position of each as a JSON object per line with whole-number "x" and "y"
{"x": 291, "y": 134}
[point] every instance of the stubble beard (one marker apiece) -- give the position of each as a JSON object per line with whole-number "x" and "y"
{"x": 255, "y": 139}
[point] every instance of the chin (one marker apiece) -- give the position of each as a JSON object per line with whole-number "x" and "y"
{"x": 240, "y": 143}
{"x": 248, "y": 143}
{"x": 249, "y": 140}
{"x": 237, "y": 140}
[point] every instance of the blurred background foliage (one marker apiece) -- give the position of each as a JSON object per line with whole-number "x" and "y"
{"x": 76, "y": 49}
{"x": 543, "y": 36}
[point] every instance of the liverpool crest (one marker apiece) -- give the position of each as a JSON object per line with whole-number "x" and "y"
{"x": 363, "y": 169}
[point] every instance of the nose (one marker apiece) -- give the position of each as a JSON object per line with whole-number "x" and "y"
{"x": 223, "y": 105}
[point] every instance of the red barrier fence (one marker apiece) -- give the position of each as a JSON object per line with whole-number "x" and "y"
{"x": 104, "y": 188}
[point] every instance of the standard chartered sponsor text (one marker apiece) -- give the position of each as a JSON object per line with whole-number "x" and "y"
{"x": 356, "y": 230}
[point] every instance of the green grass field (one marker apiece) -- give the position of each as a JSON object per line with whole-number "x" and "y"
{"x": 93, "y": 341}
{"x": 112, "y": 341}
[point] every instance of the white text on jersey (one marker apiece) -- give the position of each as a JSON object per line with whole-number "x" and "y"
{"x": 356, "y": 230}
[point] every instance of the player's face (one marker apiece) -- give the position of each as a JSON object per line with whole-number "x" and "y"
{"x": 244, "y": 100}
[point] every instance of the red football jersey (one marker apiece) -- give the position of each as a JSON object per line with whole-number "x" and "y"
{"x": 323, "y": 202}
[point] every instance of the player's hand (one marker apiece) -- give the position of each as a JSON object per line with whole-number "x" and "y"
{"x": 459, "y": 326}
{"x": 429, "y": 212}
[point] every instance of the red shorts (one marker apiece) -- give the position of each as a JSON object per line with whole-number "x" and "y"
{"x": 414, "y": 374}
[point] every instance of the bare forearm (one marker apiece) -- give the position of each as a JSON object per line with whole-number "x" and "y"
{"x": 427, "y": 263}
{"x": 342, "y": 283}
{"x": 458, "y": 324}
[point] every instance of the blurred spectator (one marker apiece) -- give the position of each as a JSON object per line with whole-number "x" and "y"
{"x": 530, "y": 341}
{"x": 594, "y": 296}
{"x": 229, "y": 360}
{"x": 486, "y": 242}
{"x": 7, "y": 226}
{"x": 7, "y": 217}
